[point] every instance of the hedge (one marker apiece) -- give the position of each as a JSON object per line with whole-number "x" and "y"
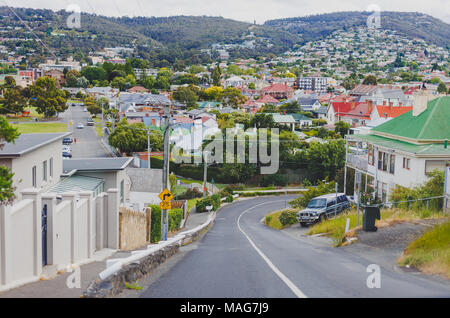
{"x": 175, "y": 217}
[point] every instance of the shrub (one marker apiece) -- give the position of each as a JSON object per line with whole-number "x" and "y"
{"x": 155, "y": 230}
{"x": 229, "y": 198}
{"x": 175, "y": 217}
{"x": 274, "y": 179}
{"x": 288, "y": 217}
{"x": 268, "y": 219}
{"x": 190, "y": 194}
{"x": 312, "y": 192}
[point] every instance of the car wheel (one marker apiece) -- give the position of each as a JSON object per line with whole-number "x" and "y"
{"x": 322, "y": 217}
{"x": 303, "y": 224}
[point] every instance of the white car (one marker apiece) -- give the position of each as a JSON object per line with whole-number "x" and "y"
{"x": 85, "y": 110}
{"x": 80, "y": 126}
{"x": 66, "y": 149}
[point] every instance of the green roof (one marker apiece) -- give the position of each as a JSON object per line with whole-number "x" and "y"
{"x": 431, "y": 124}
{"x": 425, "y": 149}
{"x": 78, "y": 183}
{"x": 299, "y": 117}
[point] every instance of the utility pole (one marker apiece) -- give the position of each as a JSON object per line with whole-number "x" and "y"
{"x": 165, "y": 177}
{"x": 205, "y": 168}
{"x": 335, "y": 203}
{"x": 148, "y": 149}
{"x": 345, "y": 166}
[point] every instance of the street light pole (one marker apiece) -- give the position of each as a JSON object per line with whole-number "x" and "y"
{"x": 148, "y": 149}
{"x": 205, "y": 168}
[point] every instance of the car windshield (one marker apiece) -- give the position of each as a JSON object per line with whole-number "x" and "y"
{"x": 317, "y": 203}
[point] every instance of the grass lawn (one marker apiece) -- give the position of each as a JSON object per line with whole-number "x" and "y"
{"x": 273, "y": 220}
{"x": 33, "y": 114}
{"x": 431, "y": 252}
{"x": 30, "y": 128}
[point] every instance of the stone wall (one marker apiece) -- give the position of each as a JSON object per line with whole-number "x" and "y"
{"x": 134, "y": 228}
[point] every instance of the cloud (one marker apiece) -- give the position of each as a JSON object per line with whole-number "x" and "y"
{"x": 243, "y": 10}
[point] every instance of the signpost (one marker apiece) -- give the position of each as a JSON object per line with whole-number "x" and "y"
{"x": 358, "y": 182}
{"x": 166, "y": 196}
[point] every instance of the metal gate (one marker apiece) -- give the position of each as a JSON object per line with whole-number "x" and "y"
{"x": 44, "y": 235}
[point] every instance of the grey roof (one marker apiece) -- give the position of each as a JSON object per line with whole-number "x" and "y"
{"x": 321, "y": 110}
{"x": 143, "y": 98}
{"x": 29, "y": 142}
{"x": 95, "y": 164}
{"x": 307, "y": 101}
{"x": 77, "y": 183}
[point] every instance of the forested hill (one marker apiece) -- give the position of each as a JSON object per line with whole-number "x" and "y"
{"x": 410, "y": 24}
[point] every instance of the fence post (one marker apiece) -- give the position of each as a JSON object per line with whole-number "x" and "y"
{"x": 70, "y": 196}
{"x": 100, "y": 206}
{"x": 5, "y": 245}
{"x": 88, "y": 195}
{"x": 113, "y": 218}
{"x": 33, "y": 194}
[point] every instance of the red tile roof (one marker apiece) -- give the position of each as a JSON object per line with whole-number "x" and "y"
{"x": 268, "y": 99}
{"x": 277, "y": 88}
{"x": 392, "y": 112}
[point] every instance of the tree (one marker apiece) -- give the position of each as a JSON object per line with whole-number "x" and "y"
{"x": 291, "y": 107}
{"x": 7, "y": 134}
{"x": 186, "y": 95}
{"x": 13, "y": 101}
{"x": 370, "y": 80}
{"x": 232, "y": 96}
{"x": 342, "y": 128}
{"x": 442, "y": 89}
{"x": 216, "y": 74}
{"x": 47, "y": 99}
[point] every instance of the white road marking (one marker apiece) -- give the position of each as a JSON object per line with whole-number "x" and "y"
{"x": 283, "y": 277}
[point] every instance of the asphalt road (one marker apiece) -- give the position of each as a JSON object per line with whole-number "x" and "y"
{"x": 241, "y": 257}
{"x": 88, "y": 143}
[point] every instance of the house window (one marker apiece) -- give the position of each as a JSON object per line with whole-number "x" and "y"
{"x": 51, "y": 167}
{"x": 380, "y": 160}
{"x": 33, "y": 176}
{"x": 392, "y": 164}
{"x": 44, "y": 170}
{"x": 406, "y": 163}
{"x": 385, "y": 161}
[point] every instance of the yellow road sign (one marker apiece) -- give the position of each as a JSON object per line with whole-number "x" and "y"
{"x": 165, "y": 196}
{"x": 165, "y": 205}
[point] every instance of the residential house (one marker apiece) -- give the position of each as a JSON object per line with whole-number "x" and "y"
{"x": 404, "y": 150}
{"x": 35, "y": 160}
{"x": 278, "y": 91}
{"x": 57, "y": 75}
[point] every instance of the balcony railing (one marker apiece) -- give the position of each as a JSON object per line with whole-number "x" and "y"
{"x": 359, "y": 162}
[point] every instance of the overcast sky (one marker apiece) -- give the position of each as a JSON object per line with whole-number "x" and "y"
{"x": 243, "y": 10}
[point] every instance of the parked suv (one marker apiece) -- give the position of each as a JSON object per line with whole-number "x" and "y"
{"x": 67, "y": 141}
{"x": 323, "y": 207}
{"x": 90, "y": 122}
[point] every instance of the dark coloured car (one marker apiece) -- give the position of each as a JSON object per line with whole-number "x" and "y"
{"x": 323, "y": 207}
{"x": 66, "y": 154}
{"x": 67, "y": 141}
{"x": 90, "y": 122}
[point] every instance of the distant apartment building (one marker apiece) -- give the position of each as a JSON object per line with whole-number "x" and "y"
{"x": 316, "y": 84}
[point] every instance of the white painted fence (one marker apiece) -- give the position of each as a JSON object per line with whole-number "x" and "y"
{"x": 76, "y": 227}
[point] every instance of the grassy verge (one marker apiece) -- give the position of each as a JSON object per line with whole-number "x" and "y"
{"x": 191, "y": 203}
{"x": 281, "y": 219}
{"x": 30, "y": 128}
{"x": 273, "y": 220}
{"x": 389, "y": 217}
{"x": 431, "y": 252}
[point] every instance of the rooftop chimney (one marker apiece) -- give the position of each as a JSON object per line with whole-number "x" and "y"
{"x": 421, "y": 99}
